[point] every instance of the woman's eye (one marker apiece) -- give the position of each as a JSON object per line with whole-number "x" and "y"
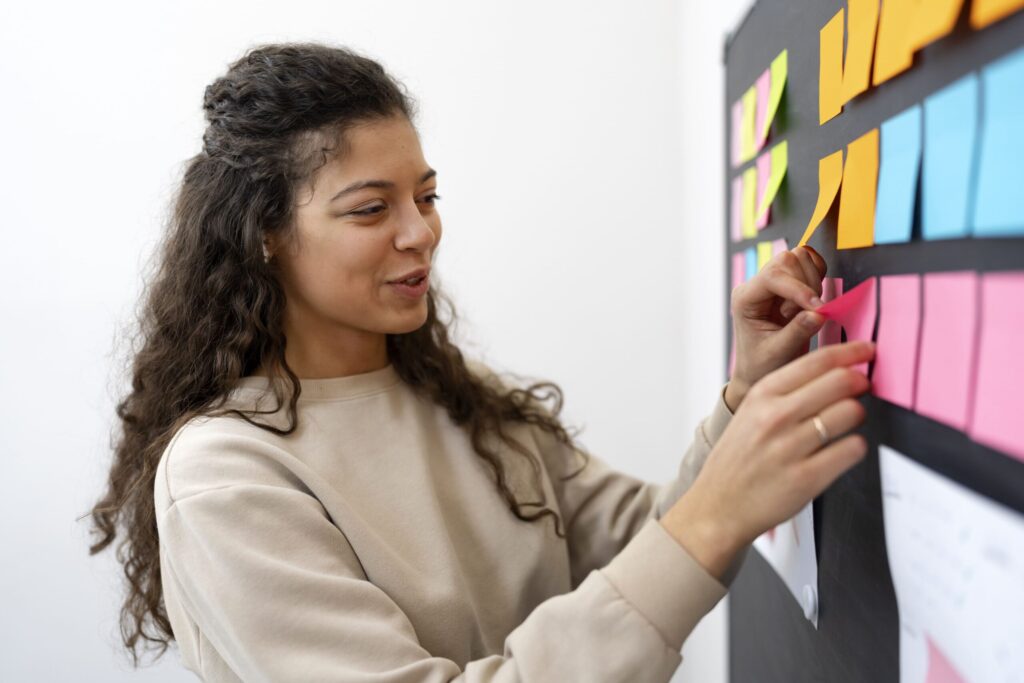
{"x": 368, "y": 212}
{"x": 431, "y": 198}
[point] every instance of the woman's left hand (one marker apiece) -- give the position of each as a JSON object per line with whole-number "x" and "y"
{"x": 773, "y": 318}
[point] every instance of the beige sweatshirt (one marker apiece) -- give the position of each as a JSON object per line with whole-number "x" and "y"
{"x": 372, "y": 545}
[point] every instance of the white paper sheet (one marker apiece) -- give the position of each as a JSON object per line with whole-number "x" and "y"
{"x": 957, "y": 564}
{"x": 789, "y": 549}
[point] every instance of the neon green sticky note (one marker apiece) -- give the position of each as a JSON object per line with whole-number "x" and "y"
{"x": 780, "y": 158}
{"x": 764, "y": 254}
{"x": 749, "y": 202}
{"x": 747, "y": 147}
{"x": 779, "y": 70}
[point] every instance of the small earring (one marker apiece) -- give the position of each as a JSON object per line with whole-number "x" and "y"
{"x": 266, "y": 254}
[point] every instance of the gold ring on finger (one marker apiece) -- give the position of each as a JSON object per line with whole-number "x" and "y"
{"x": 819, "y": 426}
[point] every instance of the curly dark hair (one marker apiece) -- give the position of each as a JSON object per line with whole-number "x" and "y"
{"x": 211, "y": 311}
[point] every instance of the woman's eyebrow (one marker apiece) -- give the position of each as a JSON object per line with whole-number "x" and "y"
{"x": 383, "y": 184}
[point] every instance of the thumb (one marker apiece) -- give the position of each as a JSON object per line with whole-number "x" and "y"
{"x": 788, "y": 342}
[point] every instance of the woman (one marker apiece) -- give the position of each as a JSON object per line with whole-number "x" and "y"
{"x": 314, "y": 483}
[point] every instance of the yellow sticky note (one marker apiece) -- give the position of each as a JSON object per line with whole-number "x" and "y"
{"x": 860, "y": 187}
{"x": 830, "y": 175}
{"x": 985, "y": 12}
{"x": 933, "y": 20}
{"x": 764, "y": 254}
{"x": 747, "y": 146}
{"x": 830, "y": 69}
{"x": 780, "y": 159}
{"x": 894, "y": 52}
{"x": 749, "y": 227}
{"x": 860, "y": 46}
{"x": 779, "y": 70}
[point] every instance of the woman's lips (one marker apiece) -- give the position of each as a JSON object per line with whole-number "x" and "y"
{"x": 411, "y": 291}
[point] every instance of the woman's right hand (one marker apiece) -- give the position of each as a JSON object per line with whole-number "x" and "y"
{"x": 770, "y": 461}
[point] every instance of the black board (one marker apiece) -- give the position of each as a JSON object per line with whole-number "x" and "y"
{"x": 858, "y": 635}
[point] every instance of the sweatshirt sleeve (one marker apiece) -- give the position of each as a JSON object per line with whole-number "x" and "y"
{"x": 276, "y": 588}
{"x": 603, "y": 508}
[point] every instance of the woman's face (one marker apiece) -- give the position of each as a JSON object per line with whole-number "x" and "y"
{"x": 366, "y": 220}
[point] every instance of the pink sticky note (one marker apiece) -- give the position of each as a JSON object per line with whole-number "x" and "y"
{"x": 779, "y": 246}
{"x": 944, "y": 366}
{"x": 997, "y": 419}
{"x": 763, "y": 88}
{"x": 855, "y": 311}
{"x": 739, "y": 268}
{"x": 736, "y": 209}
{"x": 831, "y": 332}
{"x": 899, "y": 317}
{"x": 940, "y": 669}
{"x": 764, "y": 172}
{"x": 737, "y": 127}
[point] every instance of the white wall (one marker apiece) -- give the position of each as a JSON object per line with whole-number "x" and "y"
{"x": 578, "y": 149}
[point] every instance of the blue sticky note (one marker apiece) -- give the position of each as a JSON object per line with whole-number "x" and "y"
{"x": 950, "y": 130}
{"x": 897, "y": 176}
{"x": 751, "y": 258}
{"x": 998, "y": 209}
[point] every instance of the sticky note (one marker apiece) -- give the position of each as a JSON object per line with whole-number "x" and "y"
{"x": 855, "y": 311}
{"x": 736, "y": 135}
{"x": 778, "y": 164}
{"x": 779, "y": 246}
{"x": 764, "y": 172}
{"x": 998, "y": 209}
{"x": 898, "y": 171}
{"x": 764, "y": 254}
{"x": 736, "y": 209}
{"x": 763, "y": 87}
{"x": 748, "y": 226}
{"x": 747, "y": 146}
{"x": 857, "y": 198}
{"x": 862, "y": 21}
{"x": 948, "y": 327}
{"x": 777, "y": 84}
{"x": 830, "y": 175}
{"x": 997, "y": 420}
{"x": 750, "y": 257}
{"x": 894, "y": 52}
{"x": 985, "y": 12}
{"x": 831, "y": 332}
{"x": 950, "y": 130}
{"x": 830, "y": 69}
{"x": 933, "y": 19}
{"x": 899, "y": 318}
{"x": 739, "y": 268}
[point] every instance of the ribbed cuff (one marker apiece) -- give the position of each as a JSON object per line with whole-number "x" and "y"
{"x": 715, "y": 423}
{"x": 656, "y": 575}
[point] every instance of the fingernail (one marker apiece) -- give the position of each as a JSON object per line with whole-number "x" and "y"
{"x": 815, "y": 301}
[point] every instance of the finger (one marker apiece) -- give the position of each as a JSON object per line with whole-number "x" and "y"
{"x": 777, "y": 281}
{"x": 819, "y": 262}
{"x": 836, "y": 419}
{"x": 812, "y": 276}
{"x": 824, "y": 390}
{"x": 789, "y": 309}
{"x": 794, "y": 375}
{"x": 787, "y": 343}
{"x": 817, "y": 472}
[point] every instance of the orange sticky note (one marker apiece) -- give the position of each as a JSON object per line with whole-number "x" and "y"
{"x": 860, "y": 46}
{"x": 830, "y": 175}
{"x": 933, "y": 20}
{"x": 857, "y": 199}
{"x": 985, "y": 12}
{"x": 830, "y": 69}
{"x": 894, "y": 52}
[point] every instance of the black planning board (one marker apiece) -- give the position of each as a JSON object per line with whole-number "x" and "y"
{"x": 857, "y": 638}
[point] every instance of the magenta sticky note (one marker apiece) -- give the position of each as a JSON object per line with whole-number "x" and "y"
{"x": 764, "y": 172}
{"x": 831, "y": 331}
{"x": 855, "y": 311}
{"x": 997, "y": 418}
{"x": 736, "y": 209}
{"x": 739, "y": 268}
{"x": 735, "y": 136}
{"x": 763, "y": 88}
{"x": 944, "y": 366}
{"x": 899, "y": 318}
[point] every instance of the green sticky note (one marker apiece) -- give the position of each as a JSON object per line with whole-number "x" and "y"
{"x": 779, "y": 71}
{"x": 764, "y": 254}
{"x": 780, "y": 159}
{"x": 747, "y": 146}
{"x": 749, "y": 202}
